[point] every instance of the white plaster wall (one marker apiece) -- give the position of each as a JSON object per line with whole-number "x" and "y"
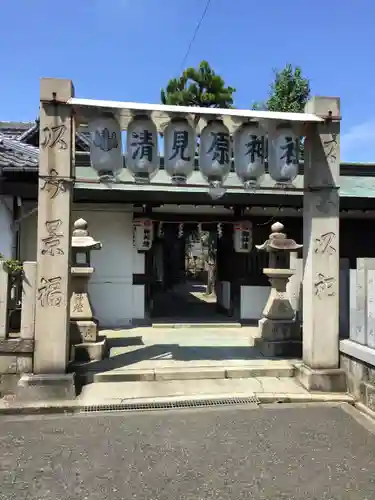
{"x": 115, "y": 300}
{"x": 253, "y": 300}
{"x": 6, "y": 220}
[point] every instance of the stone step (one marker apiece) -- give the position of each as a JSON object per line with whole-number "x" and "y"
{"x": 265, "y": 389}
{"x": 193, "y": 373}
{"x": 203, "y": 324}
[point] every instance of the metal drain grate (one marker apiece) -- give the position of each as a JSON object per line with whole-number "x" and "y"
{"x": 167, "y": 405}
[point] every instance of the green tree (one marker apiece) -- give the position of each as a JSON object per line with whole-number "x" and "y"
{"x": 198, "y": 87}
{"x": 289, "y": 92}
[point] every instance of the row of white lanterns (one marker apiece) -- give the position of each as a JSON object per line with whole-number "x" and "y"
{"x": 215, "y": 152}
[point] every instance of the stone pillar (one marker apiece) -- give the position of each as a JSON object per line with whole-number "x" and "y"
{"x": 54, "y": 227}
{"x": 28, "y": 301}
{"x": 321, "y": 249}
{"x": 4, "y": 297}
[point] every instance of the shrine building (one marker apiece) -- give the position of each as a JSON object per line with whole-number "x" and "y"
{"x": 145, "y": 224}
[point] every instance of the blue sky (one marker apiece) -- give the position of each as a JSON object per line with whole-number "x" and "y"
{"x": 127, "y": 50}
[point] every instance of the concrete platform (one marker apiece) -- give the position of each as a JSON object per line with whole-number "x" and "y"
{"x": 148, "y": 354}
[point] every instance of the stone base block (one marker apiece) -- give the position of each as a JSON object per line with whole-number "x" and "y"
{"x": 8, "y": 383}
{"x": 368, "y": 395}
{"x": 83, "y": 331}
{"x": 358, "y": 362}
{"x": 274, "y": 330}
{"x": 90, "y": 351}
{"x": 44, "y": 387}
{"x": 279, "y": 348}
{"x": 330, "y": 380}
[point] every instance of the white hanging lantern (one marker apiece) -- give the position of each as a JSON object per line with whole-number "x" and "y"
{"x": 142, "y": 157}
{"x": 249, "y": 155}
{"x": 215, "y": 156}
{"x": 283, "y": 156}
{"x": 105, "y": 147}
{"x": 179, "y": 150}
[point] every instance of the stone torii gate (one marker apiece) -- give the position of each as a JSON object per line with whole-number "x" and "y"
{"x": 321, "y": 121}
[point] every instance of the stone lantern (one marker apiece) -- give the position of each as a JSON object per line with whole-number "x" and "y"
{"x": 83, "y": 326}
{"x": 279, "y": 332}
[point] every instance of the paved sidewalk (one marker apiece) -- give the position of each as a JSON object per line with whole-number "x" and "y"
{"x": 271, "y": 453}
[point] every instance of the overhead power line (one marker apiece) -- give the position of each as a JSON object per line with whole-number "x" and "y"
{"x": 195, "y": 34}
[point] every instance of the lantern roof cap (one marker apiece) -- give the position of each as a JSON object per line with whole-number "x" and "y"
{"x": 85, "y": 107}
{"x": 81, "y": 237}
{"x": 278, "y": 241}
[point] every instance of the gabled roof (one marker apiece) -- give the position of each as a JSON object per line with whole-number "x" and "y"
{"x": 14, "y": 130}
{"x": 16, "y": 156}
{"x": 19, "y": 151}
{"x": 29, "y": 134}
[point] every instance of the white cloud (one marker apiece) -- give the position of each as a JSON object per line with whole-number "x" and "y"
{"x": 358, "y": 143}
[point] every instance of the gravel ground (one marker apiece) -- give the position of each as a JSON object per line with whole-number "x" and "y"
{"x": 320, "y": 452}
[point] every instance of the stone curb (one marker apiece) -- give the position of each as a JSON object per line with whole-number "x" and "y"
{"x": 207, "y": 326}
{"x": 266, "y": 398}
{"x": 76, "y": 407}
{"x": 365, "y": 409}
{"x": 40, "y": 408}
{"x": 195, "y": 373}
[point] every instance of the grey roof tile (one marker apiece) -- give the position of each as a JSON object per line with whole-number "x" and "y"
{"x": 15, "y": 155}
{"x": 30, "y": 131}
{"x": 13, "y": 130}
{"x": 23, "y": 131}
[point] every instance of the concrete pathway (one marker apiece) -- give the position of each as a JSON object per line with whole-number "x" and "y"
{"x": 149, "y": 347}
{"x": 188, "y": 302}
{"x": 183, "y": 353}
{"x": 149, "y": 364}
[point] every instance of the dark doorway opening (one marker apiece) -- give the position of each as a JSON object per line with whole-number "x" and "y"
{"x": 184, "y": 264}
